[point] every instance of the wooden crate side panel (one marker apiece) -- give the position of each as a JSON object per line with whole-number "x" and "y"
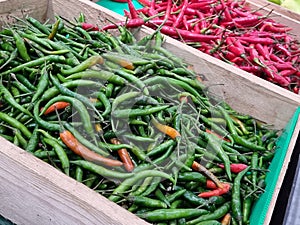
{"x": 22, "y": 8}
{"x": 33, "y": 192}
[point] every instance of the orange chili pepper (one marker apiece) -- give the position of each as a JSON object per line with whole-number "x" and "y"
{"x": 124, "y": 155}
{"x": 56, "y": 106}
{"x": 170, "y": 131}
{"x": 79, "y": 149}
{"x": 226, "y": 219}
{"x": 219, "y": 136}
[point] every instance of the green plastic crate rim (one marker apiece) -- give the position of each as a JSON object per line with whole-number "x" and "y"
{"x": 118, "y": 7}
{"x": 261, "y": 206}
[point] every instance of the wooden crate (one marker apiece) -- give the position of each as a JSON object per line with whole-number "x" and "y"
{"x": 33, "y": 192}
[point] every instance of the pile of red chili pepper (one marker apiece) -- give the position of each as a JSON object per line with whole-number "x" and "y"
{"x": 228, "y": 30}
{"x": 131, "y": 121}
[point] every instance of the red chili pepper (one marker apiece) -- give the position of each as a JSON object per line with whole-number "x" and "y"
{"x": 275, "y": 58}
{"x": 285, "y": 66}
{"x": 283, "y": 49}
{"x": 133, "y": 12}
{"x": 144, "y": 2}
{"x": 235, "y": 167}
{"x": 131, "y": 23}
{"x": 201, "y": 5}
{"x": 286, "y": 73}
{"x": 211, "y": 185}
{"x": 187, "y": 34}
{"x": 88, "y": 26}
{"x": 255, "y": 40}
{"x": 181, "y": 13}
{"x": 168, "y": 9}
{"x": 262, "y": 51}
{"x": 249, "y": 20}
{"x": 270, "y": 26}
{"x": 251, "y": 69}
{"x": 216, "y": 192}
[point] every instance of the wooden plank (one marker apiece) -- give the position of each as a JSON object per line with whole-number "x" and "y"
{"x": 17, "y": 8}
{"x": 34, "y": 192}
{"x": 243, "y": 91}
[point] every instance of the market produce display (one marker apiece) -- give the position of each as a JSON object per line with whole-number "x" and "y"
{"x": 227, "y": 30}
{"x": 131, "y": 121}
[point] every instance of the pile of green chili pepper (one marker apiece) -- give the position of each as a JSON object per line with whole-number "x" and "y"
{"x": 131, "y": 121}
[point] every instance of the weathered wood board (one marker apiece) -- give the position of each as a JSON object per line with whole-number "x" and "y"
{"x": 33, "y": 192}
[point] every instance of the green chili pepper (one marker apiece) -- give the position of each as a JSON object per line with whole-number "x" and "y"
{"x": 243, "y": 142}
{"x": 217, "y": 214}
{"x": 147, "y": 181}
{"x": 15, "y": 123}
{"x": 128, "y": 113}
{"x": 38, "y": 25}
{"x": 160, "y": 148}
{"x": 126, "y": 184}
{"x": 92, "y": 167}
{"x": 215, "y": 145}
{"x": 236, "y": 205}
{"x": 91, "y": 61}
{"x": 209, "y": 222}
{"x": 102, "y": 75}
{"x": 11, "y": 100}
{"x": 12, "y": 56}
{"x": 60, "y": 153}
{"x": 33, "y": 141}
{"x": 147, "y": 202}
{"x": 247, "y": 205}
{"x": 171, "y": 214}
{"x": 41, "y": 154}
{"x": 53, "y": 91}
{"x": 21, "y": 46}
{"x": 133, "y": 80}
{"x": 161, "y": 196}
{"x": 21, "y": 140}
{"x": 35, "y": 62}
{"x": 192, "y": 176}
{"x": 172, "y": 197}
{"x": 54, "y": 29}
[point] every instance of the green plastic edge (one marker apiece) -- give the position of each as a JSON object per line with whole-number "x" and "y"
{"x": 117, "y": 7}
{"x": 261, "y": 206}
